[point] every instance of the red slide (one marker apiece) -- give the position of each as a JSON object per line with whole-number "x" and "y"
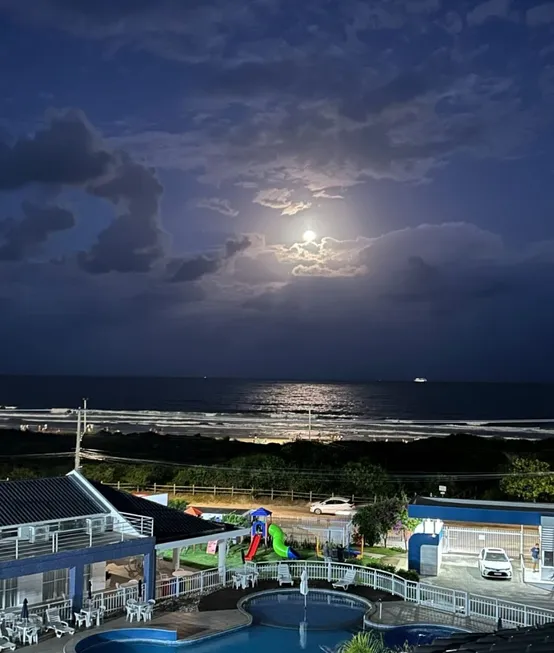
{"x": 254, "y": 544}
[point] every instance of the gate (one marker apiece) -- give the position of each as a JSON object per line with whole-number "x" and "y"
{"x": 472, "y": 540}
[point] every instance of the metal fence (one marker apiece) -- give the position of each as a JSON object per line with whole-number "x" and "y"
{"x": 472, "y": 540}
{"x": 442, "y": 599}
{"x": 214, "y": 491}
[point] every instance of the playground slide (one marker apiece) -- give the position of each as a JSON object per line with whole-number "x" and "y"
{"x": 254, "y": 544}
{"x": 279, "y": 546}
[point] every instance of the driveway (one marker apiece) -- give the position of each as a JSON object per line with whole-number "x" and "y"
{"x": 462, "y": 573}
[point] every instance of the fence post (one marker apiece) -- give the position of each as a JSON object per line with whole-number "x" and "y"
{"x": 193, "y": 489}
{"x": 521, "y": 541}
{"x": 119, "y": 485}
{"x": 251, "y": 491}
{"x": 272, "y": 494}
{"x": 232, "y": 490}
{"x": 155, "y": 490}
{"x": 310, "y": 496}
{"x": 292, "y": 495}
{"x": 174, "y": 489}
{"x": 215, "y": 490}
{"x": 353, "y": 501}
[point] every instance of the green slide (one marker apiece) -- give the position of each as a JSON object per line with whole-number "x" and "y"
{"x": 279, "y": 546}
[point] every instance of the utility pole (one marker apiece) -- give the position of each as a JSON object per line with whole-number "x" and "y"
{"x": 85, "y": 415}
{"x": 78, "y": 442}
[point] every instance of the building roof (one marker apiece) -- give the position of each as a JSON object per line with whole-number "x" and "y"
{"x": 45, "y": 499}
{"x": 519, "y": 506}
{"x": 510, "y": 640}
{"x": 170, "y": 525}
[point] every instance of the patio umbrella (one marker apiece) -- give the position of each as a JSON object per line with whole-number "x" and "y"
{"x": 304, "y": 624}
{"x": 140, "y": 589}
{"x": 25, "y": 610}
{"x": 304, "y": 585}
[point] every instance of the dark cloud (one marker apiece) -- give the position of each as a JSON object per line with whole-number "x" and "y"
{"x": 193, "y": 269}
{"x": 132, "y": 242}
{"x": 19, "y": 238}
{"x": 66, "y": 151}
{"x": 233, "y": 247}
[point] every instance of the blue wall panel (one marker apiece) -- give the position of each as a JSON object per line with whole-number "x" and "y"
{"x": 416, "y": 541}
{"x": 475, "y": 515}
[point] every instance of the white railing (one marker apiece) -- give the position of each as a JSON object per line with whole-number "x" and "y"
{"x": 63, "y": 605}
{"x": 439, "y": 598}
{"x": 114, "y": 601}
{"x": 143, "y": 525}
{"x": 102, "y": 530}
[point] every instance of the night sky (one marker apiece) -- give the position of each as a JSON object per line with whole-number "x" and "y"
{"x": 163, "y": 162}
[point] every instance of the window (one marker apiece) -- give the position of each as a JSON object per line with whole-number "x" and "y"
{"x": 8, "y": 593}
{"x": 55, "y": 584}
{"x": 87, "y": 577}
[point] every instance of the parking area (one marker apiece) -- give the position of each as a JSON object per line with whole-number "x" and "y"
{"x": 461, "y": 572}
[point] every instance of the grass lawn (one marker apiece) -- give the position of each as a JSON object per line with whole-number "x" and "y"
{"x": 384, "y": 551}
{"x": 199, "y": 559}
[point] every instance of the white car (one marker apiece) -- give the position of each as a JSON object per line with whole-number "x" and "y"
{"x": 332, "y": 506}
{"x": 494, "y": 563}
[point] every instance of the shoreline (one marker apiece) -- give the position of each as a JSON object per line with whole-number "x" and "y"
{"x": 271, "y": 428}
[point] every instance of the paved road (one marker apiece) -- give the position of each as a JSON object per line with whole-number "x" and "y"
{"x": 461, "y": 573}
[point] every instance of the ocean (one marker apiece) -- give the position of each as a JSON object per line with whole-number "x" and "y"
{"x": 280, "y": 409}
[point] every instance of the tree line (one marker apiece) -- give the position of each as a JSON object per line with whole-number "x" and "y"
{"x": 360, "y": 468}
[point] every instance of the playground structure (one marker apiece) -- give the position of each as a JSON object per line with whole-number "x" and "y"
{"x": 261, "y": 520}
{"x": 279, "y": 545}
{"x": 263, "y": 529}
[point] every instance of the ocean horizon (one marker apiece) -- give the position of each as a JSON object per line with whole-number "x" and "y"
{"x": 266, "y": 408}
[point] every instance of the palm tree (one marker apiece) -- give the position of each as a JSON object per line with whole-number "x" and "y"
{"x": 369, "y": 642}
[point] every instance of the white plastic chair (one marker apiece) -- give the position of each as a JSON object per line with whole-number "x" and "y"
{"x": 283, "y": 575}
{"x": 146, "y": 613}
{"x": 6, "y": 644}
{"x": 31, "y": 635}
{"x": 55, "y": 623}
{"x": 80, "y": 619}
{"x": 348, "y": 579}
{"x": 131, "y": 610}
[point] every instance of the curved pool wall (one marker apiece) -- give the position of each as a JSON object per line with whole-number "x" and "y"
{"x": 150, "y": 634}
{"x": 359, "y": 607}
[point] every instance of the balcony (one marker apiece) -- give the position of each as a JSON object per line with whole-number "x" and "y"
{"x": 30, "y": 540}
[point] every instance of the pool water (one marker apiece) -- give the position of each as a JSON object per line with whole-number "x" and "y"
{"x": 416, "y": 634}
{"x": 283, "y": 622}
{"x": 264, "y": 639}
{"x": 318, "y": 611}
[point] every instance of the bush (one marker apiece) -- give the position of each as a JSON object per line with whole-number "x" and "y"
{"x": 380, "y": 566}
{"x": 408, "y": 574}
{"x": 177, "y": 504}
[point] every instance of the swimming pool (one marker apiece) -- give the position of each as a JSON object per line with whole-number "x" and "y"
{"x": 417, "y": 634}
{"x": 282, "y": 623}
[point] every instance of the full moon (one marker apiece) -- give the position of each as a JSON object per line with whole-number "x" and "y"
{"x": 309, "y": 236}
